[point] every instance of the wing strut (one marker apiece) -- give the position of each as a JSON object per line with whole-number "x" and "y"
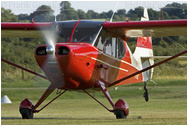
{"x": 32, "y": 72}
{"x": 161, "y": 62}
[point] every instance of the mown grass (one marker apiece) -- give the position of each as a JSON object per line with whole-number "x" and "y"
{"x": 167, "y": 105}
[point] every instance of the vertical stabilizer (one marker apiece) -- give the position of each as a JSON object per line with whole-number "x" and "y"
{"x": 145, "y": 16}
{"x": 144, "y": 49}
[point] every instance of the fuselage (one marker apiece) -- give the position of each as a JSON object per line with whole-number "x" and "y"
{"x": 86, "y": 53}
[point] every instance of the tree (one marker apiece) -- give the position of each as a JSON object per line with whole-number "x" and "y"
{"x": 65, "y": 6}
{"x": 175, "y": 10}
{"x": 116, "y": 18}
{"x": 67, "y": 11}
{"x": 135, "y": 14}
{"x": 121, "y": 12}
{"x": 109, "y": 14}
{"x": 154, "y": 15}
{"x": 81, "y": 14}
{"x": 46, "y": 17}
{"x": 8, "y": 16}
{"x": 92, "y": 14}
{"x": 23, "y": 17}
{"x": 103, "y": 15}
{"x": 61, "y": 17}
{"x": 43, "y": 13}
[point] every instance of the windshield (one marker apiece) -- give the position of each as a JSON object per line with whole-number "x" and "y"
{"x": 62, "y": 30}
{"x": 76, "y": 31}
{"x": 86, "y": 31}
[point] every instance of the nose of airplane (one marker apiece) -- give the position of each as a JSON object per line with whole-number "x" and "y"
{"x": 66, "y": 65}
{"x": 74, "y": 67}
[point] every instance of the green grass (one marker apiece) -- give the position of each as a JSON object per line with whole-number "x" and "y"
{"x": 167, "y": 105}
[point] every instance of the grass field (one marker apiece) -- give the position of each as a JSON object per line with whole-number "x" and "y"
{"x": 167, "y": 105}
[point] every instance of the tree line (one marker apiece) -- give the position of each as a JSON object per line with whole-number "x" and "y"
{"x": 44, "y": 13}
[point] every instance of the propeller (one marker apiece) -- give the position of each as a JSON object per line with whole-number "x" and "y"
{"x": 50, "y": 40}
{"x": 50, "y": 66}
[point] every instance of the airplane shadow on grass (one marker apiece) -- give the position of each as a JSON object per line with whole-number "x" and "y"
{"x": 68, "y": 118}
{"x": 11, "y": 118}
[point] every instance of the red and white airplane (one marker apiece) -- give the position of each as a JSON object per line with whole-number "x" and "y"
{"x": 93, "y": 55}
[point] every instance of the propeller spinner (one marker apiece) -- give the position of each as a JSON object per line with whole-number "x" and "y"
{"x": 49, "y": 49}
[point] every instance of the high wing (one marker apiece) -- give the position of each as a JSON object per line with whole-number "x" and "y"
{"x": 120, "y": 29}
{"x": 23, "y": 30}
{"x": 147, "y": 28}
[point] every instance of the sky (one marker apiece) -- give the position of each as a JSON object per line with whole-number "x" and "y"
{"x": 27, "y": 7}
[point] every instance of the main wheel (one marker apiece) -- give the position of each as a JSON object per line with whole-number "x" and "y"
{"x": 120, "y": 114}
{"x": 26, "y": 113}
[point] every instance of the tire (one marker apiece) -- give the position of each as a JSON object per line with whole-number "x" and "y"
{"x": 120, "y": 114}
{"x": 26, "y": 113}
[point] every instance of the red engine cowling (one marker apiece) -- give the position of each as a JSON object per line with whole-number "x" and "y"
{"x": 26, "y": 103}
{"x": 122, "y": 105}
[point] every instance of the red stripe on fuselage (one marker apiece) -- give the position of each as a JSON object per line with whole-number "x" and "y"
{"x": 127, "y": 57}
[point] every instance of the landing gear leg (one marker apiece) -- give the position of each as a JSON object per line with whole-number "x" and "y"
{"x": 121, "y": 108}
{"x": 146, "y": 95}
{"x": 27, "y": 109}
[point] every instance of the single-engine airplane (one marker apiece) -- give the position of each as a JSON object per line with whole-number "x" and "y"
{"x": 93, "y": 55}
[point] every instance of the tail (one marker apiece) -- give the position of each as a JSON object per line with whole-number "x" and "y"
{"x": 144, "y": 51}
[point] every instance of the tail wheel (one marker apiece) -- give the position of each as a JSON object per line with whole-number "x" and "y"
{"x": 26, "y": 113}
{"x": 120, "y": 114}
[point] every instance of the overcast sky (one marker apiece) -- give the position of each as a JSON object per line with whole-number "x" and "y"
{"x": 27, "y": 7}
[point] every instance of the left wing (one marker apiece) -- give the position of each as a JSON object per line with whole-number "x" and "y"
{"x": 147, "y": 28}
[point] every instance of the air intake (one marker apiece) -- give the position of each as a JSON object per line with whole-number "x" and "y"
{"x": 63, "y": 51}
{"x": 41, "y": 51}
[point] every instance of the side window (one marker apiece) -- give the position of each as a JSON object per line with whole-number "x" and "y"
{"x": 101, "y": 40}
{"x": 110, "y": 45}
{"x": 107, "y": 45}
{"x": 120, "y": 49}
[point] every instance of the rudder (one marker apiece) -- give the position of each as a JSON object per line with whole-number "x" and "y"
{"x": 144, "y": 51}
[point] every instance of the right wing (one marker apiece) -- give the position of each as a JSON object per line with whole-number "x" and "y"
{"x": 23, "y": 30}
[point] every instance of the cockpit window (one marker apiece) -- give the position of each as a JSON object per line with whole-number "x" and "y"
{"x": 110, "y": 45}
{"x": 61, "y": 31}
{"x": 86, "y": 31}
